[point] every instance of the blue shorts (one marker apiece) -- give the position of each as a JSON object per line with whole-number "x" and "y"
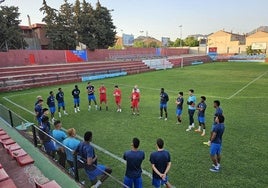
{"x": 91, "y": 97}
{"x": 49, "y": 146}
{"x": 137, "y": 182}
{"x": 61, "y": 104}
{"x": 158, "y": 182}
{"x": 178, "y": 112}
{"x": 201, "y": 119}
{"x": 52, "y": 109}
{"x": 93, "y": 174}
{"x": 215, "y": 149}
{"x": 76, "y": 100}
{"x": 163, "y": 105}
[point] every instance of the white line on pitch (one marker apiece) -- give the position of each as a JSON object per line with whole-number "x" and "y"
{"x": 94, "y": 145}
{"x": 251, "y": 82}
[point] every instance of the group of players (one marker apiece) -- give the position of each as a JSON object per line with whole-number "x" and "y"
{"x": 161, "y": 159}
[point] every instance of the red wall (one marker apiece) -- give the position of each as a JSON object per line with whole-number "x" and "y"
{"x": 31, "y": 57}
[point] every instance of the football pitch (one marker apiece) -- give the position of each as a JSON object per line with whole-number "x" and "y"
{"x": 242, "y": 90}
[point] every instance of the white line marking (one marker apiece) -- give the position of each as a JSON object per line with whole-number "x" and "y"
{"x": 247, "y": 85}
{"x": 96, "y": 146}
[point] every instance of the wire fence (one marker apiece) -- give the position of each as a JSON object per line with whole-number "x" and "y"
{"x": 32, "y": 133}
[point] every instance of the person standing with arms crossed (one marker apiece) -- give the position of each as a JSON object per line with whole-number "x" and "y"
{"x": 103, "y": 96}
{"x": 61, "y": 104}
{"x": 191, "y": 109}
{"x": 163, "y": 103}
{"x": 117, "y": 95}
{"x": 179, "y": 102}
{"x": 75, "y": 94}
{"x": 91, "y": 96}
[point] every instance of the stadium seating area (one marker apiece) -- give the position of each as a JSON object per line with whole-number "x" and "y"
{"x": 188, "y": 60}
{"x": 13, "y": 161}
{"x": 158, "y": 64}
{"x": 23, "y": 77}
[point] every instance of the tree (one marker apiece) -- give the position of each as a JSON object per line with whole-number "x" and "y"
{"x": 104, "y": 27}
{"x": 10, "y": 34}
{"x": 139, "y": 44}
{"x": 191, "y": 42}
{"x": 153, "y": 44}
{"x": 178, "y": 42}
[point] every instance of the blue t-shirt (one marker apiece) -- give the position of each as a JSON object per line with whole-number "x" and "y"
{"x": 90, "y": 90}
{"x": 60, "y": 97}
{"x": 203, "y": 106}
{"x": 219, "y": 130}
{"x": 51, "y": 101}
{"x": 164, "y": 98}
{"x": 160, "y": 159}
{"x": 134, "y": 160}
{"x": 191, "y": 99}
{"x": 218, "y": 111}
{"x": 71, "y": 143}
{"x": 180, "y": 100}
{"x": 85, "y": 150}
{"x": 76, "y": 93}
{"x": 38, "y": 109}
{"x": 59, "y": 135}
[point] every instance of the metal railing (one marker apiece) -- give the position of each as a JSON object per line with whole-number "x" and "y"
{"x": 31, "y": 132}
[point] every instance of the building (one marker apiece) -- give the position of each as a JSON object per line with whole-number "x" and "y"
{"x": 258, "y": 41}
{"x": 227, "y": 42}
{"x": 35, "y": 36}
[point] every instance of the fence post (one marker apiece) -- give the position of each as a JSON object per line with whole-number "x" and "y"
{"x": 11, "y": 119}
{"x": 34, "y": 135}
{"x": 76, "y": 176}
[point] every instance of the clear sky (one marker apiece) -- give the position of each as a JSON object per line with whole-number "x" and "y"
{"x": 162, "y": 18}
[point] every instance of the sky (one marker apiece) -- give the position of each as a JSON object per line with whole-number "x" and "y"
{"x": 163, "y": 18}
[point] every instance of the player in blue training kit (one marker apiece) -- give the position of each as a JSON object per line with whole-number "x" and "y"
{"x": 201, "y": 107}
{"x": 163, "y": 103}
{"x": 46, "y": 140}
{"x": 161, "y": 164}
{"x": 51, "y": 104}
{"x": 216, "y": 143}
{"x": 75, "y": 94}
{"x": 91, "y": 96}
{"x": 179, "y": 102}
{"x": 38, "y": 110}
{"x": 218, "y": 111}
{"x": 191, "y": 109}
{"x": 60, "y": 99}
{"x": 93, "y": 170}
{"x": 134, "y": 159}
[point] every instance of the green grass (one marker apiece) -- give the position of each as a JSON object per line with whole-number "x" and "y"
{"x": 245, "y": 153}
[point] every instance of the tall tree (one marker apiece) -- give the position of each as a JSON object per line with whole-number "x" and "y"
{"x": 10, "y": 34}
{"x": 66, "y": 25}
{"x": 51, "y": 19}
{"x": 105, "y": 29}
{"x": 191, "y": 41}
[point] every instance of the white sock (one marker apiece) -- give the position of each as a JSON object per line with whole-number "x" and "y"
{"x": 98, "y": 183}
{"x": 204, "y": 131}
{"x": 199, "y": 128}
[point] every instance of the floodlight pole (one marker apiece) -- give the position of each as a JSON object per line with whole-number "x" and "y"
{"x": 180, "y": 26}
